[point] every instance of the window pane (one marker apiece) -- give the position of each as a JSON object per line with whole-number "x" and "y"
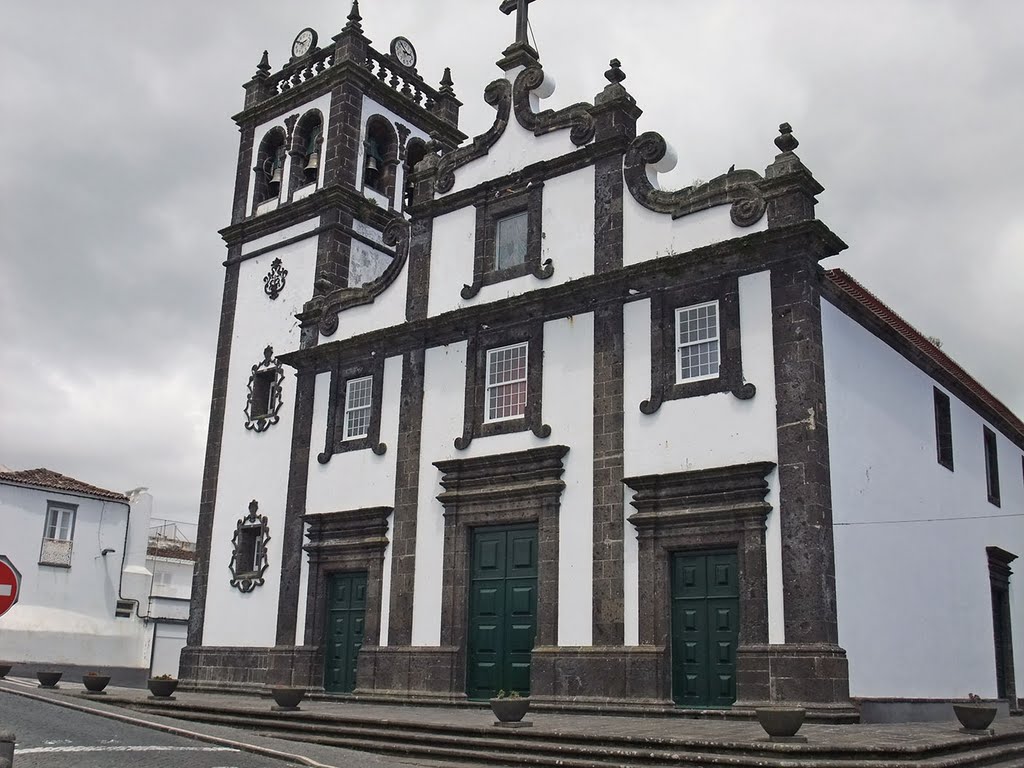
{"x": 358, "y": 405}
{"x": 697, "y": 342}
{"x": 510, "y": 241}
{"x": 698, "y": 324}
{"x": 507, "y": 401}
{"x": 506, "y": 382}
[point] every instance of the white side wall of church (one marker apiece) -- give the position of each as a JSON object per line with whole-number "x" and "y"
{"x": 912, "y": 579}
{"x": 715, "y": 430}
{"x": 517, "y": 147}
{"x": 648, "y": 235}
{"x": 567, "y": 239}
{"x": 255, "y": 465}
{"x": 323, "y": 103}
{"x": 354, "y": 479}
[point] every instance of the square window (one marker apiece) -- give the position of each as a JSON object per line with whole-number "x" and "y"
{"x": 58, "y": 533}
{"x": 697, "y": 342}
{"x": 358, "y": 407}
{"x": 506, "y": 383}
{"x": 510, "y": 241}
{"x": 59, "y": 523}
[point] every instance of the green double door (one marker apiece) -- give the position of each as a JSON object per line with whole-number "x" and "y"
{"x": 705, "y": 628}
{"x": 346, "y": 619}
{"x": 502, "y": 611}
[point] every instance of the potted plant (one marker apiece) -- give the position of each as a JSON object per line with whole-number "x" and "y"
{"x": 162, "y": 686}
{"x": 781, "y": 721}
{"x": 975, "y": 716}
{"x": 5, "y": 669}
{"x": 94, "y": 682}
{"x": 510, "y": 707}
{"x": 49, "y": 678}
{"x": 287, "y": 698}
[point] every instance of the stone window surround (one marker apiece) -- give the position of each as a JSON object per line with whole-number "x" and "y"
{"x": 504, "y": 489}
{"x": 64, "y": 543}
{"x": 489, "y": 212}
{"x": 335, "y": 441}
{"x": 991, "y": 465}
{"x": 702, "y": 510}
{"x": 271, "y": 370}
{"x": 474, "y": 423}
{"x": 664, "y": 350}
{"x": 246, "y": 581}
{"x": 346, "y": 541}
{"x": 999, "y": 579}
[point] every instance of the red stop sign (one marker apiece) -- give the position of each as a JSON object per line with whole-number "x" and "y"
{"x": 10, "y": 582}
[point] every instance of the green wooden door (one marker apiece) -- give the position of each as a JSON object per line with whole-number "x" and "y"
{"x": 346, "y": 617}
{"x": 502, "y": 611}
{"x": 705, "y": 628}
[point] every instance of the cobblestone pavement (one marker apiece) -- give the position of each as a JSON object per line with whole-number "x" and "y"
{"x": 676, "y": 729}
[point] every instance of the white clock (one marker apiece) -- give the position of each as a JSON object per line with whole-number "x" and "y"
{"x": 304, "y": 41}
{"x": 402, "y": 50}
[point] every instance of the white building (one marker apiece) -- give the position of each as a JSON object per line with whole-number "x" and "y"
{"x": 86, "y": 600}
{"x": 544, "y": 426}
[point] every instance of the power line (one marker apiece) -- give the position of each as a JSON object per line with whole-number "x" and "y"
{"x": 932, "y": 519}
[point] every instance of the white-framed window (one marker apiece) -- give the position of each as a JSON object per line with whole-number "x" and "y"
{"x": 358, "y": 405}
{"x": 505, "y": 396}
{"x": 510, "y": 239}
{"x": 697, "y": 343}
{"x": 60, "y": 523}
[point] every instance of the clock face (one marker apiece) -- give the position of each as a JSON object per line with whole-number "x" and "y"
{"x": 305, "y": 40}
{"x": 402, "y": 50}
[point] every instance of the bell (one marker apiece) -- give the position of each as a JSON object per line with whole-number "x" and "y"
{"x": 372, "y": 165}
{"x": 275, "y": 178}
{"x": 312, "y": 165}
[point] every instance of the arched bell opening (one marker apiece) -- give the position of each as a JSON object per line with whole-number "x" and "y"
{"x": 415, "y": 151}
{"x": 380, "y": 157}
{"x": 307, "y": 150}
{"x": 269, "y": 167}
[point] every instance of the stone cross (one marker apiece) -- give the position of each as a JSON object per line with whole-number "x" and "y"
{"x": 521, "y": 7}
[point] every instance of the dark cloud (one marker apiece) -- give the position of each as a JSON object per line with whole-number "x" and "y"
{"x": 120, "y": 156}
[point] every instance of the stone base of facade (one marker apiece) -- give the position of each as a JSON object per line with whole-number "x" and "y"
{"x": 814, "y": 675}
{"x": 412, "y": 672}
{"x": 223, "y": 668}
{"x": 632, "y": 676}
{"x": 296, "y": 667}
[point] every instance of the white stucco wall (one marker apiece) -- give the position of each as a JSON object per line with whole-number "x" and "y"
{"x": 568, "y": 240}
{"x": 912, "y": 582}
{"x": 714, "y": 430}
{"x": 567, "y": 407}
{"x": 255, "y": 465}
{"x": 66, "y": 615}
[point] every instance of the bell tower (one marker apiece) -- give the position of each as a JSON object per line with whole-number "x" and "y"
{"x": 328, "y": 143}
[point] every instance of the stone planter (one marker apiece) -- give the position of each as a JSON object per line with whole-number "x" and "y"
{"x": 5, "y": 669}
{"x": 49, "y": 678}
{"x": 510, "y": 710}
{"x": 287, "y": 699}
{"x": 95, "y": 683}
{"x": 781, "y": 722}
{"x": 162, "y": 688}
{"x": 975, "y": 718}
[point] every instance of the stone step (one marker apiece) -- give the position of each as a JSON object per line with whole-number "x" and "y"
{"x": 525, "y": 747}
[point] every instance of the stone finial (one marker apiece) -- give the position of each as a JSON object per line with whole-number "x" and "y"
{"x": 263, "y": 68}
{"x": 353, "y": 19}
{"x": 447, "y": 83}
{"x": 786, "y": 141}
{"x": 615, "y": 74}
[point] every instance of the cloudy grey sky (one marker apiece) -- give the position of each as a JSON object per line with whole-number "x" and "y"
{"x": 120, "y": 154}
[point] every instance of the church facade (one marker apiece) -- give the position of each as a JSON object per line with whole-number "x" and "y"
{"x": 500, "y": 413}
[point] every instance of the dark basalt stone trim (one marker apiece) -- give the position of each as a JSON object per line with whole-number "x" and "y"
{"x": 240, "y": 668}
{"x": 473, "y": 424}
{"x": 322, "y": 311}
{"x": 246, "y": 581}
{"x": 739, "y": 188}
{"x": 211, "y": 468}
{"x": 805, "y": 486}
{"x": 422, "y": 673}
{"x": 508, "y": 489}
{"x": 1002, "y": 621}
{"x": 353, "y": 74}
{"x": 870, "y": 322}
{"x": 535, "y": 173}
{"x": 497, "y": 94}
{"x": 754, "y": 253}
{"x": 270, "y": 369}
{"x": 600, "y": 676}
{"x": 577, "y": 117}
{"x": 608, "y": 525}
{"x": 403, "y": 526}
{"x": 245, "y": 160}
{"x": 335, "y": 441}
{"x": 295, "y": 507}
{"x": 663, "y": 344}
{"x": 345, "y": 541}
{"x": 719, "y": 508}
{"x": 488, "y": 213}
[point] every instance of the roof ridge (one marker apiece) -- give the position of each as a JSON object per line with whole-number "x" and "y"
{"x": 48, "y": 478}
